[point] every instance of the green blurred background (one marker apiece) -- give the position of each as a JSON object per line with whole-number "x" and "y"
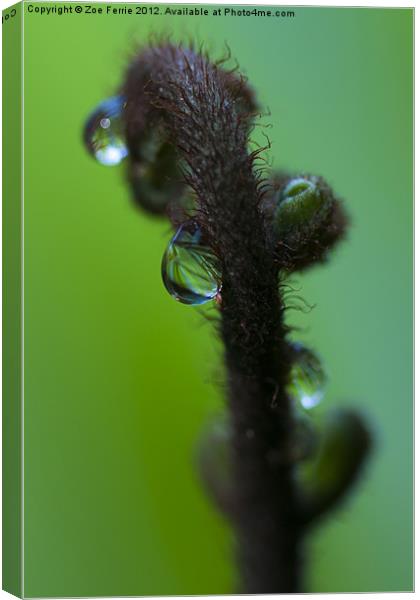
{"x": 120, "y": 378}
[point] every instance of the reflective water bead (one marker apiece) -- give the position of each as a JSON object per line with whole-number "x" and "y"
{"x": 104, "y": 135}
{"x": 307, "y": 378}
{"x": 189, "y": 267}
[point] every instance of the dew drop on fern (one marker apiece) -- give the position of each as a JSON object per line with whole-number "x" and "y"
{"x": 104, "y": 132}
{"x": 307, "y": 378}
{"x": 189, "y": 267}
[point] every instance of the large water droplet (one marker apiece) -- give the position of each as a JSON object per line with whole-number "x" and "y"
{"x": 104, "y": 132}
{"x": 189, "y": 267}
{"x": 307, "y": 378}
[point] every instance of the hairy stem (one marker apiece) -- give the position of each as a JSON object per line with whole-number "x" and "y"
{"x": 202, "y": 111}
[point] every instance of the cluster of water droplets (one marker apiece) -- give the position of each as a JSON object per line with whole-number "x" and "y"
{"x": 190, "y": 270}
{"x": 104, "y": 132}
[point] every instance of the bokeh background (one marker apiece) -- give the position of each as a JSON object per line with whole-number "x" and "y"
{"x": 120, "y": 378}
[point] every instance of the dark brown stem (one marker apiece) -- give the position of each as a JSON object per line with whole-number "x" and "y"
{"x": 187, "y": 125}
{"x": 203, "y": 111}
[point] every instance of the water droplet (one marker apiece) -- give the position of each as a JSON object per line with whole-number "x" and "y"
{"x": 189, "y": 267}
{"x": 307, "y": 378}
{"x": 104, "y": 132}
